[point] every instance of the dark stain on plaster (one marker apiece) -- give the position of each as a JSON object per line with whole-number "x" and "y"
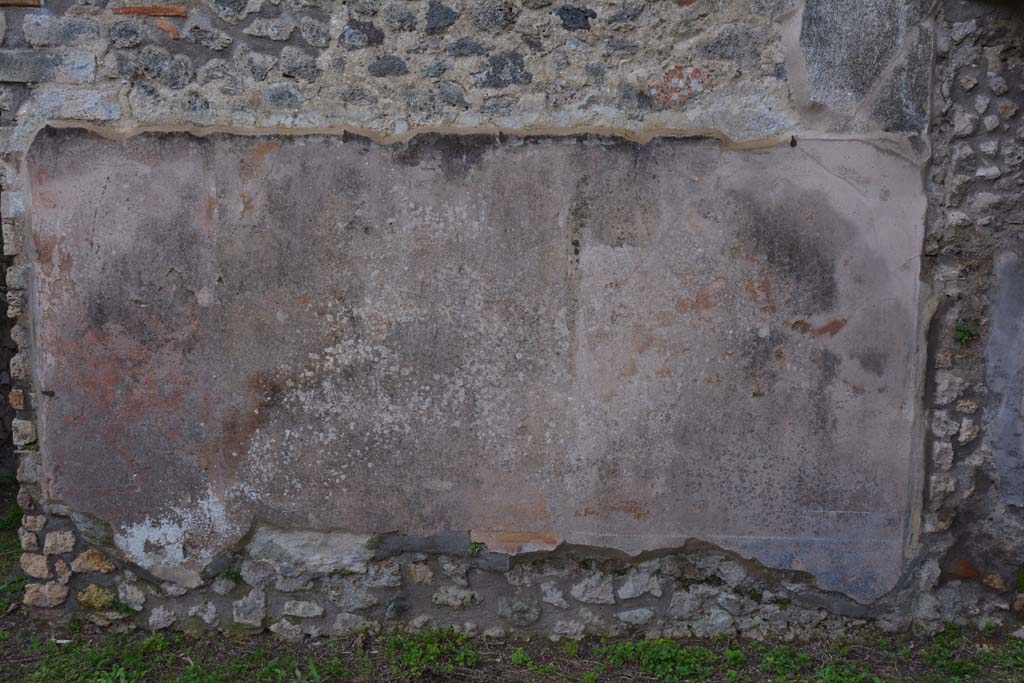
{"x": 873, "y": 360}
{"x": 580, "y": 213}
{"x": 817, "y": 486}
{"x": 457, "y": 154}
{"x": 758, "y": 352}
{"x": 238, "y": 425}
{"x": 767, "y": 231}
{"x": 612, "y": 207}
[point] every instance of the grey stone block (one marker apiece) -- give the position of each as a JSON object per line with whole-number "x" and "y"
{"x": 42, "y": 30}
{"x": 848, "y": 44}
{"x": 27, "y": 66}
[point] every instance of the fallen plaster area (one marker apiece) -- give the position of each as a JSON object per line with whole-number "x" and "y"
{"x": 540, "y": 340}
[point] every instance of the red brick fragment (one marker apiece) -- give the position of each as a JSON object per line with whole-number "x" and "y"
{"x": 963, "y": 569}
{"x": 829, "y": 328}
{"x": 680, "y": 83}
{"x": 168, "y": 27}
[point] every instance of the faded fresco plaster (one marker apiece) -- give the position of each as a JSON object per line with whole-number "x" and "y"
{"x": 538, "y": 340}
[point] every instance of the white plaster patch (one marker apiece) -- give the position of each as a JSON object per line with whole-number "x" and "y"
{"x": 159, "y": 545}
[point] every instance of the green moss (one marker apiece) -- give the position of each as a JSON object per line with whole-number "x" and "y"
{"x": 965, "y": 333}
{"x": 711, "y": 580}
{"x": 751, "y": 593}
{"x": 121, "y": 608}
{"x": 233, "y": 575}
{"x": 96, "y": 597}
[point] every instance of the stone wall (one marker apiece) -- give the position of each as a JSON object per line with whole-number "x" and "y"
{"x": 851, "y": 89}
{"x": 740, "y": 70}
{"x": 973, "y": 517}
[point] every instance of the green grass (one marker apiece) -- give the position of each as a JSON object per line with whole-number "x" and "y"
{"x": 665, "y": 660}
{"x": 1012, "y": 656}
{"x": 10, "y": 520}
{"x": 845, "y": 673}
{"x": 952, "y": 657}
{"x": 122, "y": 659}
{"x": 520, "y": 658}
{"x": 115, "y": 659}
{"x": 949, "y": 656}
{"x": 283, "y": 670}
{"x": 11, "y": 588}
{"x": 785, "y": 663}
{"x": 413, "y": 656}
{"x": 12, "y": 581}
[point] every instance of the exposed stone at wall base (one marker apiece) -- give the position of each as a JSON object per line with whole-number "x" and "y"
{"x": 697, "y": 591}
